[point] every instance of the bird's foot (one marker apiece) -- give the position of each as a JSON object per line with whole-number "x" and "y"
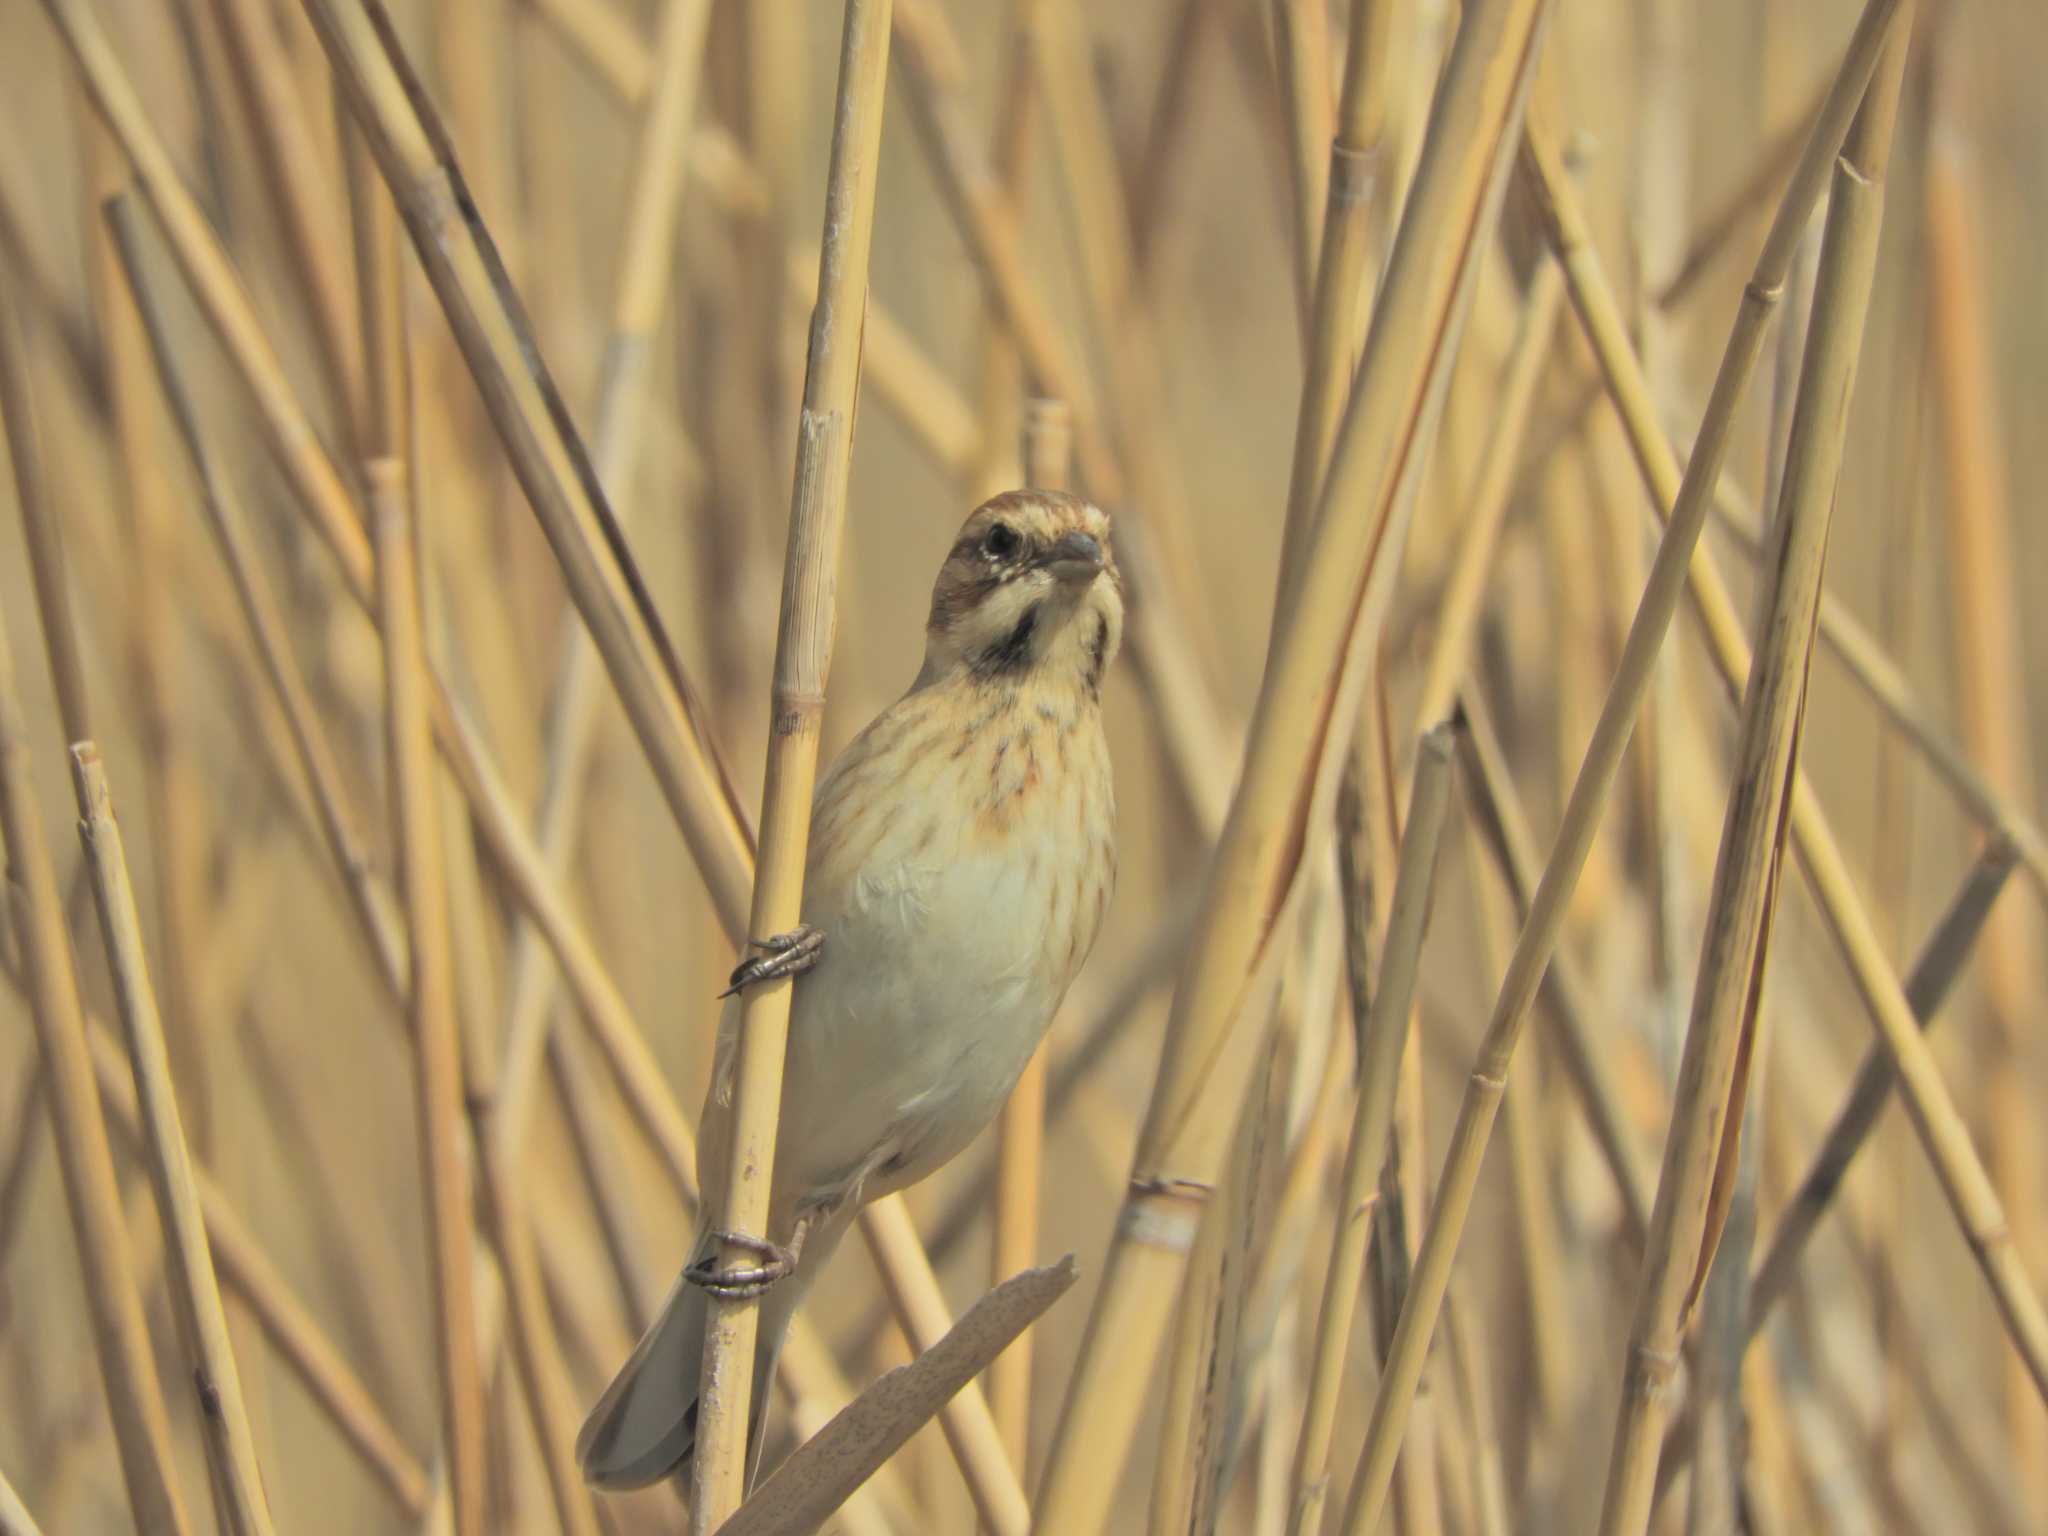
{"x": 749, "y": 1280}
{"x": 781, "y": 954}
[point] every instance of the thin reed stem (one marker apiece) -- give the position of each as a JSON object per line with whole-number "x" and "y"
{"x": 1385, "y": 1035}
{"x": 142, "y": 1430}
{"x": 1689, "y": 500}
{"x": 1940, "y": 961}
{"x": 803, "y": 654}
{"x": 1313, "y": 680}
{"x": 195, "y": 1294}
{"x": 1709, "y": 1104}
{"x": 431, "y": 996}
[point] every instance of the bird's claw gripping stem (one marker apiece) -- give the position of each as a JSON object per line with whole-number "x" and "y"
{"x": 781, "y": 954}
{"x": 748, "y": 1280}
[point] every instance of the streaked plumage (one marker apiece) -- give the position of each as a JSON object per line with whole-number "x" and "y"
{"x": 961, "y": 856}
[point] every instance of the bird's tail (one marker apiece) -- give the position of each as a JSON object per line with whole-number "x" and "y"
{"x": 644, "y": 1428}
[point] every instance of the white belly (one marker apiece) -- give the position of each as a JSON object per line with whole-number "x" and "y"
{"x": 935, "y": 987}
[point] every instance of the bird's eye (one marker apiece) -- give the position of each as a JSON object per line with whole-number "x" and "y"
{"x": 1001, "y": 541}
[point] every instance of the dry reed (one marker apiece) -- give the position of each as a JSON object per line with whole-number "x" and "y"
{"x": 1172, "y": 219}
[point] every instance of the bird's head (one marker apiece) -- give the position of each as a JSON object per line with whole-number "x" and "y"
{"x": 1029, "y": 593}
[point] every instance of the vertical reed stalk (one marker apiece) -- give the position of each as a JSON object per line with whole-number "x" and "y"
{"x": 430, "y": 996}
{"x": 803, "y": 653}
{"x": 1385, "y": 1035}
{"x": 1338, "y": 277}
{"x": 1306, "y": 703}
{"x": 1699, "y": 1156}
{"x": 1532, "y": 953}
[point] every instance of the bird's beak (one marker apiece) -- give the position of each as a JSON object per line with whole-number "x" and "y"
{"x": 1077, "y": 557}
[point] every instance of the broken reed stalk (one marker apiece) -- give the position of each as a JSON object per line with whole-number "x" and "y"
{"x": 547, "y": 455}
{"x": 1306, "y": 703}
{"x": 1941, "y": 959}
{"x": 1020, "y": 1129}
{"x": 1942, "y": 1131}
{"x": 1337, "y": 270}
{"x": 1708, "y": 1107}
{"x": 142, "y": 1429}
{"x": 248, "y": 1271}
{"x": 1533, "y": 948}
{"x": 430, "y": 994}
{"x": 970, "y": 1428}
{"x": 195, "y": 1294}
{"x": 1385, "y": 1035}
{"x": 803, "y": 655}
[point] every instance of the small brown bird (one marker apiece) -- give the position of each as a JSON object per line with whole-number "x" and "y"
{"x": 962, "y": 851}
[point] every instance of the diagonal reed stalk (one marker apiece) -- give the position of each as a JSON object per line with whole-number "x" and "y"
{"x": 1312, "y": 684}
{"x": 1877, "y": 674}
{"x": 1941, "y": 959}
{"x": 195, "y": 1294}
{"x": 1708, "y": 1107}
{"x": 547, "y": 455}
{"x": 1968, "y": 1189}
{"x": 1689, "y": 500}
{"x": 803, "y": 655}
{"x": 127, "y": 1368}
{"x": 1385, "y": 1037}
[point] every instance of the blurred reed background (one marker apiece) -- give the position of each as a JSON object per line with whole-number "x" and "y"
{"x": 239, "y": 424}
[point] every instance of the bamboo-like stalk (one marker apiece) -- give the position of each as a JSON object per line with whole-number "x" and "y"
{"x": 195, "y": 1295}
{"x": 546, "y": 453}
{"x": 1708, "y": 1107}
{"x": 1385, "y": 1035}
{"x": 1941, "y": 959}
{"x": 431, "y": 1001}
{"x": 1689, "y": 500}
{"x": 1338, "y": 276}
{"x": 142, "y": 1429}
{"x": 803, "y": 654}
{"x": 1991, "y": 684}
{"x": 1306, "y": 702}
{"x": 920, "y": 1309}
